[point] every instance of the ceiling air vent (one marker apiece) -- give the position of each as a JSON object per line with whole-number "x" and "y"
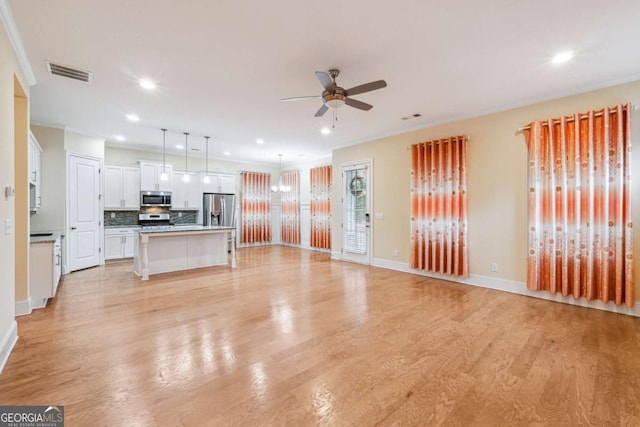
{"x": 71, "y": 73}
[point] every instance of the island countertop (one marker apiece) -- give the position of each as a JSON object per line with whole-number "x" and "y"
{"x": 181, "y": 228}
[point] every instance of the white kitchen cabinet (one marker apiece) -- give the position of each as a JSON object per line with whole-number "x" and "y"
{"x": 220, "y": 183}
{"x": 186, "y": 195}
{"x": 118, "y": 243}
{"x": 150, "y": 177}
{"x": 35, "y": 172}
{"x": 121, "y": 187}
{"x": 45, "y": 269}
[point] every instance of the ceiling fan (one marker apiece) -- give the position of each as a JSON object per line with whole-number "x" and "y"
{"x": 335, "y": 97}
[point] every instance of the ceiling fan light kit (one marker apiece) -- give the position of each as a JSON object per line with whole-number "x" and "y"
{"x": 335, "y": 97}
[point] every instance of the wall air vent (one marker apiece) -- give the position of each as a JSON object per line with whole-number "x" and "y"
{"x": 71, "y": 73}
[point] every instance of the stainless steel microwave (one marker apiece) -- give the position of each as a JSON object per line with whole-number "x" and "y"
{"x": 155, "y": 198}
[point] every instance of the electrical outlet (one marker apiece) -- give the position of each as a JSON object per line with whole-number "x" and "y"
{"x": 179, "y": 214}
{"x": 395, "y": 252}
{"x": 379, "y": 215}
{"x": 494, "y": 266}
{"x": 113, "y": 214}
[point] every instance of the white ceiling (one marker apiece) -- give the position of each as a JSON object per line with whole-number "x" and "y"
{"x": 222, "y": 66}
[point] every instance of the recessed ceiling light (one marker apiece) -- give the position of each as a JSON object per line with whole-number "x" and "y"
{"x": 259, "y": 141}
{"x": 562, "y": 57}
{"x": 226, "y": 153}
{"x": 133, "y": 117}
{"x": 179, "y": 147}
{"x": 119, "y": 138}
{"x": 147, "y": 84}
{"x": 325, "y": 131}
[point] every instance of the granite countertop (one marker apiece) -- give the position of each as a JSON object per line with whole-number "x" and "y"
{"x": 46, "y": 236}
{"x": 182, "y": 228}
{"x": 122, "y": 226}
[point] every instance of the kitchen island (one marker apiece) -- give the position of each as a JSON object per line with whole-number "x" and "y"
{"x": 165, "y": 249}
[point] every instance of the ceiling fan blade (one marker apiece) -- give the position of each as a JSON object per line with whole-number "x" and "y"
{"x": 358, "y": 104}
{"x": 325, "y": 80}
{"x": 367, "y": 87}
{"x": 321, "y": 110}
{"x": 300, "y": 98}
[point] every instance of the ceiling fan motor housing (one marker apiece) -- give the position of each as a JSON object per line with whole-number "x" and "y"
{"x": 334, "y": 98}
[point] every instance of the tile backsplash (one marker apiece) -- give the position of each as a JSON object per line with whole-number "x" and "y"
{"x": 188, "y": 217}
{"x": 130, "y": 218}
{"x": 122, "y": 218}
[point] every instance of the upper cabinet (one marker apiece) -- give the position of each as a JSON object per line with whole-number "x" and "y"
{"x": 35, "y": 172}
{"x": 150, "y": 177}
{"x": 220, "y": 183}
{"x": 121, "y": 187}
{"x": 186, "y": 195}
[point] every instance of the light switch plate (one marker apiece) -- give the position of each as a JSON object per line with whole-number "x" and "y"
{"x": 379, "y": 215}
{"x": 8, "y": 226}
{"x": 9, "y": 191}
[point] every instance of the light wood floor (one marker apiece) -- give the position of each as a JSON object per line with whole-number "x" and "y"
{"x": 292, "y": 338}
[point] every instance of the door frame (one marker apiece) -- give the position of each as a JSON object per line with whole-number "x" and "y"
{"x": 369, "y": 163}
{"x": 67, "y": 206}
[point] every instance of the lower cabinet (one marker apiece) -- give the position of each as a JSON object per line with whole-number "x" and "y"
{"x": 45, "y": 269}
{"x": 118, "y": 243}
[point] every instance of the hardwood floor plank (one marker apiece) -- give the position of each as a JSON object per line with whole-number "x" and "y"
{"x": 291, "y": 337}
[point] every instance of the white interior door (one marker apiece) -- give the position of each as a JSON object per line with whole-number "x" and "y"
{"x": 356, "y": 208}
{"x": 84, "y": 212}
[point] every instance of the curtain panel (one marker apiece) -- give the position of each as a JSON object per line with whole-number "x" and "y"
{"x": 439, "y": 206}
{"x": 256, "y": 207}
{"x": 321, "y": 207}
{"x": 579, "y": 212}
{"x": 290, "y": 208}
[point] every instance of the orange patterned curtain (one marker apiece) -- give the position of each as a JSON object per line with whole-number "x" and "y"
{"x": 256, "y": 207}
{"x": 290, "y": 205}
{"x": 580, "y": 234}
{"x": 321, "y": 207}
{"x": 439, "y": 206}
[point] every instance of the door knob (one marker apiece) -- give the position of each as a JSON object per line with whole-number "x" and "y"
{"x": 73, "y": 228}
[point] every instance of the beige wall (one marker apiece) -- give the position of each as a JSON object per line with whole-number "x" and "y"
{"x": 497, "y": 181}
{"x": 9, "y": 69}
{"x": 83, "y": 144}
{"x": 21, "y": 165}
{"x": 52, "y": 213}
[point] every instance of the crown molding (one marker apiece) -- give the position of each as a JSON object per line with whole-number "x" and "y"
{"x": 9, "y": 24}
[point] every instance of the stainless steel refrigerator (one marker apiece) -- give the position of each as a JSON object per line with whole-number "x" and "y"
{"x": 219, "y": 209}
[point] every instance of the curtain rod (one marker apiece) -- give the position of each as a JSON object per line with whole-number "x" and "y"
{"x": 571, "y": 119}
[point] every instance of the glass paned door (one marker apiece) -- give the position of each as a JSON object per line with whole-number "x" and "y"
{"x": 356, "y": 208}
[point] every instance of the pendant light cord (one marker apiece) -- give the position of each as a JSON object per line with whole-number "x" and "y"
{"x": 206, "y": 166}
{"x": 186, "y": 151}
{"x": 164, "y": 150}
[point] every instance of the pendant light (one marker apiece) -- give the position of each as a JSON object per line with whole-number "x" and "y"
{"x": 280, "y": 188}
{"x": 186, "y": 177}
{"x": 207, "y": 178}
{"x": 163, "y": 175}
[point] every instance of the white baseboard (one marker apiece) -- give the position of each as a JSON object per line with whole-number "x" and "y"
{"x": 511, "y": 286}
{"x": 23, "y": 307}
{"x": 338, "y": 256}
{"x": 305, "y": 247}
{"x": 8, "y": 342}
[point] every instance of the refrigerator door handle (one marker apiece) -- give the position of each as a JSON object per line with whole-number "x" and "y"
{"x": 223, "y": 207}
